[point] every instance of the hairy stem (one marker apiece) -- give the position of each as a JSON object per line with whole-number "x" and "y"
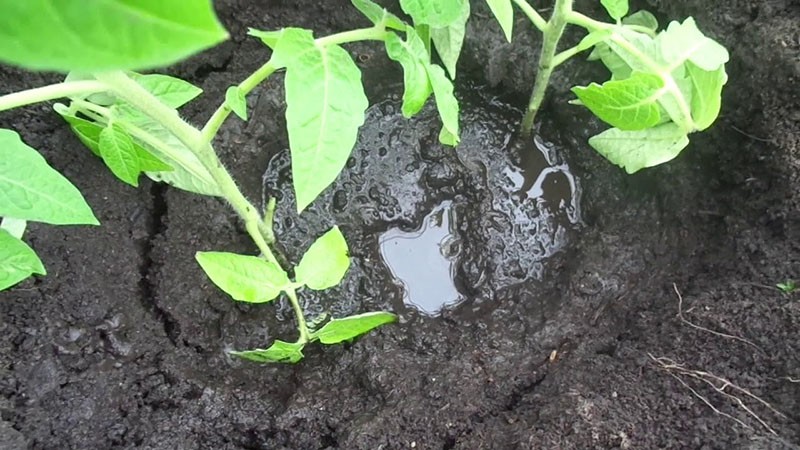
{"x": 130, "y": 91}
{"x": 302, "y": 326}
{"x": 552, "y": 35}
{"x": 51, "y": 92}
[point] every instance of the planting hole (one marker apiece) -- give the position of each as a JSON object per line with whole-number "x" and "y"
{"x": 422, "y": 260}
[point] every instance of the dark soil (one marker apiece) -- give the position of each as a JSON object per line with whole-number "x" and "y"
{"x": 568, "y": 336}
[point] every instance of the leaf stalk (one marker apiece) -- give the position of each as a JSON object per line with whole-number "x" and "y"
{"x": 51, "y": 92}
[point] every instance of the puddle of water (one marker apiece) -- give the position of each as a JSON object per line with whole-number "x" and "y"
{"x": 422, "y": 260}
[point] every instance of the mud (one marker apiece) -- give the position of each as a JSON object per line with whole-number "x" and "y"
{"x": 565, "y": 333}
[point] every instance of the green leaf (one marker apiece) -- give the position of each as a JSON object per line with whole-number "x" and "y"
{"x": 278, "y": 352}
{"x": 635, "y": 150}
{"x": 503, "y": 11}
{"x": 684, "y": 41}
{"x": 96, "y": 35}
{"x": 617, "y": 9}
{"x": 446, "y": 103}
{"x": 413, "y": 56}
{"x": 245, "y": 278}
{"x": 15, "y": 227}
{"x": 449, "y": 40}
{"x": 187, "y": 173}
{"x": 325, "y": 262}
{"x": 17, "y": 261}
{"x": 236, "y": 101}
{"x": 435, "y": 13}
{"x": 787, "y": 287}
{"x": 340, "y": 330}
{"x": 629, "y": 104}
{"x": 377, "y": 14}
{"x": 706, "y": 94}
{"x": 116, "y": 149}
{"x": 325, "y": 108}
{"x": 614, "y": 63}
{"x": 171, "y": 91}
{"x": 32, "y": 190}
{"x": 592, "y": 39}
{"x": 642, "y": 18}
{"x": 88, "y": 132}
{"x": 269, "y": 38}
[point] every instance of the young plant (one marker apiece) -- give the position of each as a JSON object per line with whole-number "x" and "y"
{"x": 663, "y": 86}
{"x": 130, "y": 121}
{"x": 787, "y": 287}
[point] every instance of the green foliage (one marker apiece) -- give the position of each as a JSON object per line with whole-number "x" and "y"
{"x": 236, "y": 101}
{"x": 449, "y": 40}
{"x": 345, "y": 329}
{"x": 325, "y": 263}
{"x": 325, "y": 107}
{"x": 628, "y": 104}
{"x": 617, "y": 9}
{"x": 126, "y": 159}
{"x": 412, "y": 55}
{"x": 503, "y": 11}
{"x": 378, "y": 15}
{"x": 635, "y": 150}
{"x": 278, "y": 352}
{"x": 32, "y": 190}
{"x": 95, "y": 35}
{"x": 245, "y": 278}
{"x": 159, "y": 154}
{"x": 434, "y": 13}
{"x": 787, "y": 287}
{"x": 17, "y": 261}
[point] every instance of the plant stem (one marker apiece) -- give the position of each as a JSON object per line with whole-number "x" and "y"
{"x": 302, "y": 326}
{"x": 552, "y": 34}
{"x": 51, "y": 92}
{"x": 213, "y": 125}
{"x": 221, "y": 114}
{"x": 133, "y": 93}
{"x": 532, "y": 14}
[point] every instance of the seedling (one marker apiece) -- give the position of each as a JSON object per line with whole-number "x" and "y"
{"x": 130, "y": 121}
{"x": 787, "y": 287}
{"x": 663, "y": 86}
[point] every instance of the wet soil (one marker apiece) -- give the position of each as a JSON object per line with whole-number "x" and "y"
{"x": 567, "y": 274}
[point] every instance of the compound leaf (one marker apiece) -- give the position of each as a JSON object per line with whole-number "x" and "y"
{"x": 326, "y": 106}
{"x": 345, "y": 329}
{"x": 325, "y": 262}
{"x": 17, "y": 261}
{"x": 377, "y": 14}
{"x": 449, "y": 40}
{"x": 503, "y": 11}
{"x": 706, "y": 94}
{"x": 245, "y": 278}
{"x": 96, "y": 35}
{"x": 434, "y": 13}
{"x": 635, "y": 150}
{"x": 236, "y": 101}
{"x": 617, "y": 9}
{"x": 32, "y": 190}
{"x": 629, "y": 104}
{"x": 446, "y": 103}
{"x": 413, "y": 56}
{"x": 684, "y": 41}
{"x": 278, "y": 352}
